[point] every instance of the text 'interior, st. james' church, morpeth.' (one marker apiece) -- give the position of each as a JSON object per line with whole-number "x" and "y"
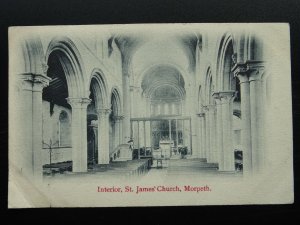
{"x": 114, "y": 100}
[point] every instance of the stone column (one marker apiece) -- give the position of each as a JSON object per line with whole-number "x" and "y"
{"x": 212, "y": 133}
{"x": 138, "y": 138}
{"x": 219, "y": 131}
{"x": 256, "y": 70}
{"x": 183, "y": 133}
{"x": 240, "y": 71}
{"x": 94, "y": 125}
{"x": 177, "y": 139}
{"x": 126, "y": 108}
{"x": 112, "y": 136}
{"x": 203, "y": 136}
{"x": 148, "y": 134}
{"x": 32, "y": 88}
{"x": 191, "y": 138}
{"x": 103, "y": 135}
{"x": 207, "y": 134}
{"x": 151, "y": 141}
{"x": 79, "y": 133}
{"x": 199, "y": 137}
{"x": 117, "y": 133}
{"x": 201, "y": 143}
{"x": 145, "y": 136}
{"x": 170, "y": 134}
{"x": 119, "y": 120}
{"x": 141, "y": 134}
{"x": 148, "y": 106}
{"x": 227, "y": 98}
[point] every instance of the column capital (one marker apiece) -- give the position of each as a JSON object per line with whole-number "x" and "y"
{"x": 79, "y": 103}
{"x": 119, "y": 117}
{"x": 217, "y": 97}
{"x": 227, "y": 95}
{"x": 34, "y": 82}
{"x": 216, "y": 94}
{"x": 256, "y": 70}
{"x": 103, "y": 111}
{"x": 250, "y": 70}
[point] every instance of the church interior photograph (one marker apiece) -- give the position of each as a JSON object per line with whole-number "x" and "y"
{"x": 133, "y": 101}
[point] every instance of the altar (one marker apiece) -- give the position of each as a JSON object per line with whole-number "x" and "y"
{"x": 166, "y": 147}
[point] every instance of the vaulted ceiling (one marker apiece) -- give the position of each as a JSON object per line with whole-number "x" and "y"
{"x": 143, "y": 48}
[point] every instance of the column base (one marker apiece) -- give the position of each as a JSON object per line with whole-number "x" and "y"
{"x": 80, "y": 171}
{"x": 122, "y": 159}
{"x": 227, "y": 171}
{"x": 104, "y": 166}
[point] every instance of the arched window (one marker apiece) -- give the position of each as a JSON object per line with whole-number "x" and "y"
{"x": 64, "y": 136}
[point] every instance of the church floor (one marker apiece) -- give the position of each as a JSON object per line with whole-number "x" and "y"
{"x": 142, "y": 170}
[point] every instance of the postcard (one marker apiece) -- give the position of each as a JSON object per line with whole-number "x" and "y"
{"x": 150, "y": 115}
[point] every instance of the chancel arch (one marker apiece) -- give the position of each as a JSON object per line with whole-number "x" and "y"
{"x": 164, "y": 95}
{"x": 164, "y": 86}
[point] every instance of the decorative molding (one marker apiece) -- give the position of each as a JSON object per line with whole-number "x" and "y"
{"x": 103, "y": 111}
{"x": 216, "y": 95}
{"x": 248, "y": 71}
{"x": 79, "y": 102}
{"x": 34, "y": 82}
{"x": 120, "y": 117}
{"x": 227, "y": 94}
